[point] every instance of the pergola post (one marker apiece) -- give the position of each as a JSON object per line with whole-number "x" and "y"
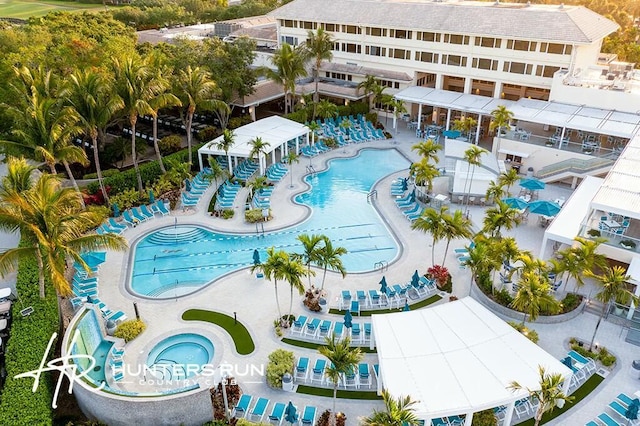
{"x": 448, "y": 118}
{"x": 468, "y": 419}
{"x": 419, "y": 117}
{"x": 200, "y": 160}
{"x": 562, "y": 138}
{"x": 565, "y": 390}
{"x": 478, "y": 128}
{"x": 508, "y": 413}
{"x": 379, "y": 380}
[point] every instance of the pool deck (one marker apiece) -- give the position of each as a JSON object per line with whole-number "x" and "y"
{"x": 253, "y": 299}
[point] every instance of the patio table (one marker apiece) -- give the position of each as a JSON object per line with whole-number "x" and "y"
{"x": 611, "y": 224}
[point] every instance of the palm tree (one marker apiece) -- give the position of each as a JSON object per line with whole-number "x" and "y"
{"x": 289, "y": 63}
{"x": 398, "y": 412}
{"x": 431, "y": 221}
{"x": 398, "y": 108}
{"x": 258, "y": 150}
{"x": 326, "y": 109}
{"x": 52, "y": 224}
{"x": 533, "y": 296}
{"x": 501, "y": 119}
{"x": 371, "y": 87}
{"x": 423, "y": 173}
{"x": 95, "y": 105}
{"x": 614, "y": 288}
{"x": 162, "y": 99}
{"x": 480, "y": 260}
{"x": 18, "y": 177}
{"x": 472, "y": 157}
{"x": 292, "y": 272}
{"x": 508, "y": 179}
{"x": 225, "y": 144}
{"x": 549, "y": 394}
{"x": 329, "y": 258}
{"x": 428, "y": 149}
{"x": 256, "y": 184}
{"x": 581, "y": 258}
{"x": 217, "y": 172}
{"x": 313, "y": 128}
{"x": 310, "y": 254}
{"x": 465, "y": 125}
{"x": 343, "y": 359}
{"x": 495, "y": 191}
{"x": 272, "y": 269}
{"x": 455, "y": 226}
{"x": 498, "y": 217}
{"x": 291, "y": 158}
{"x": 318, "y": 47}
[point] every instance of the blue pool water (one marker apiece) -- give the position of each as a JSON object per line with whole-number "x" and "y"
{"x": 178, "y": 260}
{"x": 179, "y": 357}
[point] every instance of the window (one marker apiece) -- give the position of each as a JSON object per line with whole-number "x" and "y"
{"x": 377, "y": 32}
{"x": 455, "y": 39}
{"x": 555, "y": 48}
{"x": 351, "y": 29}
{"x": 390, "y": 84}
{"x": 293, "y": 41}
{"x": 523, "y": 45}
{"x": 401, "y": 34}
{"x": 485, "y": 64}
{"x": 329, "y": 27}
{"x": 307, "y": 25}
{"x": 517, "y": 68}
{"x": 487, "y": 42}
{"x": 339, "y": 76}
{"x": 399, "y": 53}
{"x": 426, "y": 36}
{"x": 454, "y": 60}
{"x": 427, "y": 57}
{"x": 546, "y": 71}
{"x": 288, "y": 23}
{"x": 351, "y": 48}
{"x": 375, "y": 51}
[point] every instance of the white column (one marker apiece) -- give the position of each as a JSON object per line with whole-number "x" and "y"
{"x": 298, "y": 146}
{"x": 372, "y": 341}
{"x": 273, "y": 157}
{"x": 379, "y": 380}
{"x": 395, "y": 118}
{"x": 562, "y": 138}
{"x": 565, "y": 390}
{"x": 468, "y": 419}
{"x": 229, "y": 164}
{"x": 448, "y": 118}
{"x": 497, "y": 90}
{"x": 467, "y": 85}
{"x": 419, "y": 115}
{"x": 200, "y": 160}
{"x": 252, "y": 112}
{"x": 478, "y": 128}
{"x": 508, "y": 413}
{"x": 306, "y": 136}
{"x": 439, "y": 81}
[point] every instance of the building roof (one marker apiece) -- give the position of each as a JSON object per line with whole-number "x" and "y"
{"x": 457, "y": 358}
{"x": 567, "y": 24}
{"x": 364, "y": 71}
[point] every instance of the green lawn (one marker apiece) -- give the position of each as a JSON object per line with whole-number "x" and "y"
{"x": 238, "y": 332}
{"x": 24, "y": 9}
{"x": 310, "y": 390}
{"x": 315, "y": 346}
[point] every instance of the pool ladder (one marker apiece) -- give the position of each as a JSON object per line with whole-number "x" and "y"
{"x": 381, "y": 266}
{"x": 311, "y": 170}
{"x": 373, "y": 195}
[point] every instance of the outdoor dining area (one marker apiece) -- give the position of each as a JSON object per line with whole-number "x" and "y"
{"x": 528, "y": 202}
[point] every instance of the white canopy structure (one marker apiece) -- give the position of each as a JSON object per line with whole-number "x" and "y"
{"x": 275, "y": 130}
{"x": 457, "y": 358}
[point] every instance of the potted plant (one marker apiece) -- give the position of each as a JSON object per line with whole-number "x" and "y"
{"x": 594, "y": 233}
{"x": 628, "y": 244}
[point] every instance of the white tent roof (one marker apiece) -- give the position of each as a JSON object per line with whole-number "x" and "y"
{"x": 456, "y": 358}
{"x": 275, "y": 130}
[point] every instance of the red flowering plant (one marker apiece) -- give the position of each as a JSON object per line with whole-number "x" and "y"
{"x": 441, "y": 276}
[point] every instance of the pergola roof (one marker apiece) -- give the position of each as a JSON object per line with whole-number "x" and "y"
{"x": 457, "y": 358}
{"x": 596, "y": 120}
{"x": 275, "y": 130}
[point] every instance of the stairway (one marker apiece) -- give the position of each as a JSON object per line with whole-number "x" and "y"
{"x": 574, "y": 168}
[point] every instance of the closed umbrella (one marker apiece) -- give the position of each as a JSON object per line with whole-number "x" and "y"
{"x": 532, "y": 184}
{"x": 545, "y": 208}
{"x": 415, "y": 279}
{"x": 383, "y": 285}
{"x": 348, "y": 319}
{"x": 116, "y": 210}
{"x": 515, "y": 203}
{"x": 568, "y": 362}
{"x": 406, "y": 307}
{"x": 187, "y": 185}
{"x": 452, "y": 134}
{"x": 412, "y": 196}
{"x": 256, "y": 257}
{"x": 152, "y": 197}
{"x": 405, "y": 184}
{"x": 290, "y": 413}
{"x": 632, "y": 410}
{"x": 94, "y": 258}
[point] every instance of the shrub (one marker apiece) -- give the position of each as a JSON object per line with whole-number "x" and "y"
{"x": 311, "y": 301}
{"x": 207, "y": 134}
{"x": 255, "y": 215}
{"x": 593, "y": 233}
{"x": 227, "y": 213}
{"x": 441, "y": 276}
{"x": 359, "y": 108}
{"x": 330, "y": 142}
{"x": 526, "y": 331}
{"x": 344, "y": 110}
{"x": 503, "y": 297}
{"x": 129, "y": 330}
{"x": 245, "y": 422}
{"x": 299, "y": 116}
{"x": 606, "y": 358}
{"x": 280, "y": 362}
{"x": 570, "y": 302}
{"x": 484, "y": 418}
{"x": 170, "y": 144}
{"x": 372, "y": 117}
{"x": 126, "y": 199}
{"x": 324, "y": 419}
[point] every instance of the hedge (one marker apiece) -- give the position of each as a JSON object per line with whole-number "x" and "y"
{"x": 25, "y": 349}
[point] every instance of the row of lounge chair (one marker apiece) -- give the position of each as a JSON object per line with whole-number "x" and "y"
{"x": 261, "y": 199}
{"x": 357, "y": 379}
{"x": 619, "y": 409}
{"x": 397, "y": 294}
{"x": 317, "y": 329}
{"x": 195, "y": 188}
{"x": 245, "y": 169}
{"x": 226, "y": 195}
{"x": 255, "y": 412}
{"x": 276, "y": 172}
{"x": 116, "y": 363}
{"x": 408, "y": 205}
{"x": 85, "y": 290}
{"x": 133, "y": 217}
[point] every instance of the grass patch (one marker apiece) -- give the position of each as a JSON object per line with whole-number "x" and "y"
{"x": 315, "y": 346}
{"x": 421, "y": 304}
{"x": 238, "y": 332}
{"x": 578, "y": 396}
{"x": 24, "y": 9}
{"x": 310, "y": 390}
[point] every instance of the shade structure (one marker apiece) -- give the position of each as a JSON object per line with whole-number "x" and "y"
{"x": 632, "y": 410}
{"x": 452, "y": 134}
{"x": 152, "y": 197}
{"x": 532, "y": 184}
{"x": 94, "y": 258}
{"x": 256, "y": 257}
{"x": 383, "y": 285}
{"x": 545, "y": 208}
{"x": 466, "y": 349}
{"x": 348, "y": 319}
{"x": 291, "y": 414}
{"x": 515, "y": 203}
{"x": 116, "y": 210}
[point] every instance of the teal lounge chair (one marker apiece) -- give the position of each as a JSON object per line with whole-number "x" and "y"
{"x": 302, "y": 369}
{"x": 277, "y": 413}
{"x": 128, "y": 217}
{"x": 138, "y": 215}
{"x": 364, "y": 377}
{"x": 338, "y": 329}
{"x": 160, "y": 207}
{"x": 325, "y": 328}
{"x": 115, "y": 225}
{"x": 607, "y": 420}
{"x": 298, "y": 324}
{"x": 242, "y": 406}
{"x": 257, "y": 413}
{"x": 312, "y": 327}
{"x": 317, "y": 374}
{"x": 309, "y": 415}
{"x": 147, "y": 211}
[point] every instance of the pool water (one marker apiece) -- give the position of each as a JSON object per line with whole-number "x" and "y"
{"x": 181, "y": 259}
{"x": 179, "y": 357}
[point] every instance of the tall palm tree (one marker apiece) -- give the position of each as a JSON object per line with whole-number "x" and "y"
{"x": 343, "y": 360}
{"x": 272, "y": 269}
{"x": 95, "y": 104}
{"x": 195, "y": 87}
{"x": 472, "y": 157}
{"x": 292, "y": 272}
{"x": 217, "y": 172}
{"x": 501, "y": 119}
{"x": 372, "y": 88}
{"x": 495, "y": 191}
{"x": 136, "y": 89}
{"x": 424, "y": 173}
{"x": 428, "y": 149}
{"x": 289, "y": 63}
{"x": 258, "y": 151}
{"x": 313, "y": 128}
{"x": 614, "y": 288}
{"x": 508, "y": 179}
{"x": 326, "y": 109}
{"x": 52, "y": 224}
{"x": 292, "y": 158}
{"x": 397, "y": 105}
{"x": 432, "y": 222}
{"x": 225, "y": 144}
{"x": 329, "y": 258}
{"x": 163, "y": 99}
{"x": 581, "y": 258}
{"x": 533, "y": 296}
{"x": 318, "y": 47}
{"x": 455, "y": 226}
{"x": 465, "y": 125}
{"x": 549, "y": 394}
{"x": 310, "y": 251}
{"x": 18, "y": 178}
{"x": 256, "y": 184}
{"x": 498, "y": 217}
{"x": 398, "y": 412}
{"x": 480, "y": 260}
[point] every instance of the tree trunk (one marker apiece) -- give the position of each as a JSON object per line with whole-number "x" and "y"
{"x": 156, "y": 147}
{"x": 134, "y": 156}
{"x": 40, "y": 272}
{"x": 473, "y": 171}
{"x": 324, "y": 276}
{"x": 96, "y": 160}
{"x": 188, "y": 129}
{"x": 290, "y": 303}
{"x": 433, "y": 252}
{"x": 73, "y": 181}
{"x": 316, "y": 94}
{"x": 593, "y": 338}
{"x": 446, "y": 249}
{"x": 275, "y": 285}
{"x": 335, "y": 397}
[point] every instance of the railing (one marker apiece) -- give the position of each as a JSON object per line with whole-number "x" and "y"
{"x": 574, "y": 165}
{"x": 373, "y": 195}
{"x": 381, "y": 266}
{"x": 311, "y": 170}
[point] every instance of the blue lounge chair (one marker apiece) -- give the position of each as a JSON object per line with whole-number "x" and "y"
{"x": 367, "y": 330}
{"x": 317, "y": 373}
{"x": 259, "y": 409}
{"x": 277, "y": 412}
{"x": 117, "y": 316}
{"x": 364, "y": 377}
{"x": 619, "y": 409}
{"x": 583, "y": 362}
{"x": 115, "y": 225}
{"x": 338, "y": 329}
{"x": 607, "y": 420}
{"x": 624, "y": 398}
{"x": 128, "y": 217}
{"x": 115, "y": 352}
{"x": 302, "y": 369}
{"x": 138, "y": 215}
{"x": 160, "y": 207}
{"x": 312, "y": 327}
{"x": 374, "y": 298}
{"x": 416, "y": 215}
{"x": 242, "y": 406}
{"x": 147, "y": 211}
{"x": 591, "y": 423}
{"x": 325, "y": 328}
{"x": 309, "y": 415}
{"x": 298, "y": 324}
{"x": 355, "y": 307}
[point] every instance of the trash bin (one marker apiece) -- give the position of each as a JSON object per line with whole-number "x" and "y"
{"x": 287, "y": 382}
{"x": 111, "y": 327}
{"x": 530, "y": 172}
{"x": 635, "y": 369}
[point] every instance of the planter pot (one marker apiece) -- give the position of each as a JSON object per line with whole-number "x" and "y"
{"x": 618, "y": 311}
{"x": 627, "y": 247}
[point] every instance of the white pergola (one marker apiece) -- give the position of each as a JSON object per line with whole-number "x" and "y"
{"x": 275, "y": 130}
{"x": 457, "y": 358}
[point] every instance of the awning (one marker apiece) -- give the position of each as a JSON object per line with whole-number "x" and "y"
{"x": 516, "y": 153}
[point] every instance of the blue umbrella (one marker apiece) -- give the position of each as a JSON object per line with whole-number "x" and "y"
{"x": 452, "y": 134}
{"x": 515, "y": 203}
{"x": 415, "y": 279}
{"x": 412, "y": 196}
{"x": 152, "y": 198}
{"x": 187, "y": 185}
{"x": 290, "y": 413}
{"x": 406, "y": 307}
{"x": 116, "y": 210}
{"x": 568, "y": 362}
{"x": 632, "y": 410}
{"x": 94, "y": 258}
{"x": 383, "y": 285}
{"x": 405, "y": 184}
{"x": 532, "y": 184}
{"x": 348, "y": 320}
{"x": 543, "y": 207}
{"x": 256, "y": 257}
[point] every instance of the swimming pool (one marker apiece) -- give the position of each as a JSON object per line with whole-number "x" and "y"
{"x": 180, "y": 356}
{"x": 180, "y": 259}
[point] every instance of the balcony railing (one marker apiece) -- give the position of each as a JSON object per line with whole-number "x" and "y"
{"x": 574, "y": 165}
